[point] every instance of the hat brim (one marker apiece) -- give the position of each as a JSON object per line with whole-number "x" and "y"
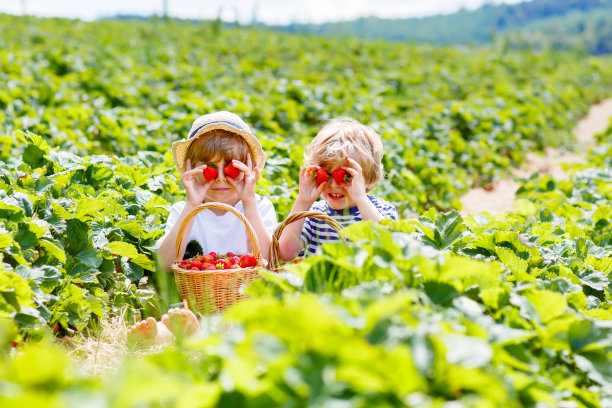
{"x": 181, "y": 147}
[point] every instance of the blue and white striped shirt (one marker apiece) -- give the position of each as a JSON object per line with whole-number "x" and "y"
{"x": 315, "y": 232}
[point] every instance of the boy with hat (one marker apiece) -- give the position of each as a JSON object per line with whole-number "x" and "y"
{"x": 219, "y": 161}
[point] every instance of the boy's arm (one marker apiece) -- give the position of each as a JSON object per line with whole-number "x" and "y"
{"x": 249, "y": 202}
{"x": 357, "y": 191}
{"x": 290, "y": 243}
{"x": 196, "y": 188}
{"x": 368, "y": 210}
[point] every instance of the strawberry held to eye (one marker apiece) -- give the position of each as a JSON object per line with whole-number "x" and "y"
{"x": 210, "y": 173}
{"x": 341, "y": 176}
{"x": 320, "y": 176}
{"x": 231, "y": 171}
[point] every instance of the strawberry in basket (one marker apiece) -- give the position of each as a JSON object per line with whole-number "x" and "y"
{"x": 213, "y": 262}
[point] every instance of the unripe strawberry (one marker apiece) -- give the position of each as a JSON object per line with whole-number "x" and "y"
{"x": 231, "y": 171}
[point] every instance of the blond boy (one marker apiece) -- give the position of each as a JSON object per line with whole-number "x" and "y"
{"x": 346, "y": 147}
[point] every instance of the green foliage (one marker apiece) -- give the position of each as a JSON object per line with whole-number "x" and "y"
{"x": 426, "y": 311}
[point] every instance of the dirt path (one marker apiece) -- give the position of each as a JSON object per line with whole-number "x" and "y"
{"x": 501, "y": 197}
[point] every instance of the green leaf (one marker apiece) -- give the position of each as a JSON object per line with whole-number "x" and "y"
{"x": 144, "y": 262}
{"x": 525, "y": 207}
{"x": 602, "y": 215}
{"x": 26, "y": 239}
{"x": 440, "y": 292}
{"x": 597, "y": 366}
{"x": 596, "y": 280}
{"x": 21, "y": 201}
{"x": 123, "y": 249}
{"x": 549, "y": 305}
{"x": 43, "y": 184}
{"x": 589, "y": 335}
{"x": 6, "y": 240}
{"x": 53, "y": 250}
{"x": 76, "y": 237}
{"x": 35, "y": 150}
{"x": 90, "y": 257}
{"x": 131, "y": 270}
{"x": 467, "y": 351}
{"x": 97, "y": 175}
{"x": 603, "y": 265}
{"x": 517, "y": 265}
{"x": 89, "y": 207}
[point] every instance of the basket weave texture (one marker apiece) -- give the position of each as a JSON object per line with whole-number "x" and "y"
{"x": 275, "y": 262}
{"x": 208, "y": 292}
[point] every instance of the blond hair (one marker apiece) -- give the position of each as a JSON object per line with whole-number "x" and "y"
{"x": 217, "y": 145}
{"x": 345, "y": 137}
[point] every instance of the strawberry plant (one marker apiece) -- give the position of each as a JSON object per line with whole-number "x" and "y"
{"x": 478, "y": 311}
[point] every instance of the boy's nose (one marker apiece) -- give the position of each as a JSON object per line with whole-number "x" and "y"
{"x": 220, "y": 175}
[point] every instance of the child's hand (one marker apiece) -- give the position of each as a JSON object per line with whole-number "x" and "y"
{"x": 250, "y": 175}
{"x": 309, "y": 190}
{"x": 195, "y": 184}
{"x": 356, "y": 188}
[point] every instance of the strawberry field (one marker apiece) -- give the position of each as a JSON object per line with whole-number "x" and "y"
{"x": 434, "y": 310}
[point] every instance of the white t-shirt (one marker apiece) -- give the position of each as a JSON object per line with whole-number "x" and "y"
{"x": 223, "y": 233}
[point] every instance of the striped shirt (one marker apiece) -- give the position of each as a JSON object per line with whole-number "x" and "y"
{"x": 315, "y": 232}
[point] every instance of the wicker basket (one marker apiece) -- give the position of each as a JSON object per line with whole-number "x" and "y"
{"x": 274, "y": 264}
{"x": 208, "y": 292}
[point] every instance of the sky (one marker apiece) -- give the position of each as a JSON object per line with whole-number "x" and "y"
{"x": 267, "y": 11}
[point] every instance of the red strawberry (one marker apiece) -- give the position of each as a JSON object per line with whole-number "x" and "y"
{"x": 210, "y": 173}
{"x": 206, "y": 265}
{"x": 234, "y": 260}
{"x": 231, "y": 171}
{"x": 320, "y": 176}
{"x": 211, "y": 268}
{"x": 229, "y": 254}
{"x": 208, "y": 258}
{"x": 341, "y": 176}
{"x": 193, "y": 269}
{"x": 235, "y": 266}
{"x": 196, "y": 264}
{"x": 222, "y": 264}
{"x": 213, "y": 254}
{"x": 247, "y": 260}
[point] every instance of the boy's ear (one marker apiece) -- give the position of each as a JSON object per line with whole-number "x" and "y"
{"x": 369, "y": 186}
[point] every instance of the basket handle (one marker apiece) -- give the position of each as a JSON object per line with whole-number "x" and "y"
{"x": 219, "y": 206}
{"x": 274, "y": 248}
